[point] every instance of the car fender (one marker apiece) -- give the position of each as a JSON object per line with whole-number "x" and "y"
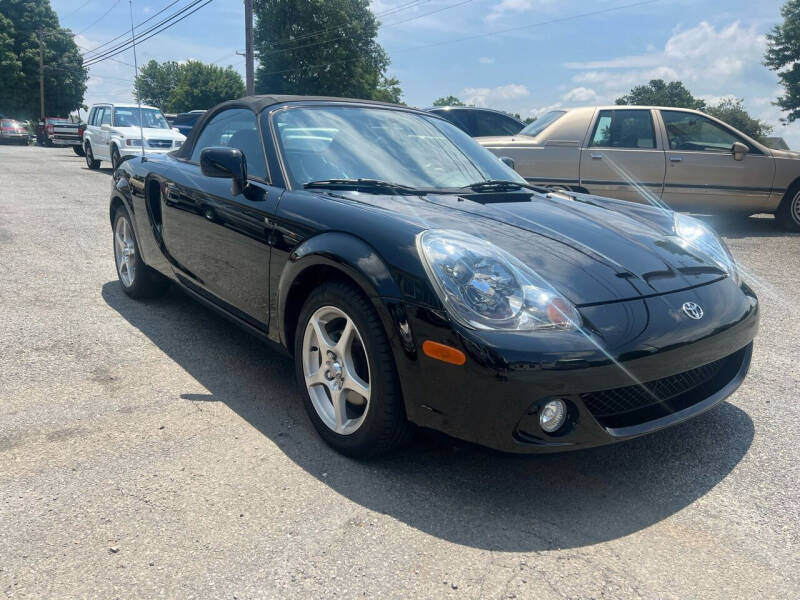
{"x": 351, "y": 256}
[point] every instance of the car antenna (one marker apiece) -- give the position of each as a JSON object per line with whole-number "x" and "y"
{"x": 136, "y": 87}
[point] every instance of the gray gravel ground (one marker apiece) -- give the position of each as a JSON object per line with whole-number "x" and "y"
{"x": 151, "y": 450}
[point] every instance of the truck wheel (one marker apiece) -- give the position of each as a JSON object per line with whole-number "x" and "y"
{"x": 115, "y": 159}
{"x": 77, "y": 149}
{"x": 90, "y": 161}
{"x": 788, "y": 213}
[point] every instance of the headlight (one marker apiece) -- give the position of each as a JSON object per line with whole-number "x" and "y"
{"x": 484, "y": 287}
{"x": 696, "y": 234}
{"x": 133, "y": 142}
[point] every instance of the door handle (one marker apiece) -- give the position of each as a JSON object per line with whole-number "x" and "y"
{"x": 597, "y": 156}
{"x": 675, "y": 159}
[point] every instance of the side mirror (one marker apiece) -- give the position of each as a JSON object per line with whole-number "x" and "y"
{"x": 507, "y": 160}
{"x": 229, "y": 163}
{"x": 739, "y": 150}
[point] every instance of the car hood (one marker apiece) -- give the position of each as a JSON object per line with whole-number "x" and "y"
{"x": 149, "y": 133}
{"x": 593, "y": 250}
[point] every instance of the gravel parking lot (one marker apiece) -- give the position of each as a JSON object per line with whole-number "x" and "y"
{"x": 152, "y": 450}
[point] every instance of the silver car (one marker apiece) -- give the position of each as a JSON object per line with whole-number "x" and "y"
{"x": 689, "y": 160}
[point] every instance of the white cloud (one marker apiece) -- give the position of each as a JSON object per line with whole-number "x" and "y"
{"x": 539, "y": 111}
{"x": 490, "y": 96}
{"x": 702, "y": 53}
{"x": 514, "y": 6}
{"x": 486, "y": 60}
{"x": 580, "y": 94}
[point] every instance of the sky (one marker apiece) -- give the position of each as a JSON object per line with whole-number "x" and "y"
{"x": 521, "y": 56}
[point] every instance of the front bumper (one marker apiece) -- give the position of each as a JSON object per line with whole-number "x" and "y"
{"x": 640, "y": 366}
{"x": 137, "y": 151}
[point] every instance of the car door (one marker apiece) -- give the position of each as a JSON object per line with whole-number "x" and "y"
{"x": 102, "y": 134}
{"x": 623, "y": 157}
{"x": 702, "y": 173}
{"x": 219, "y": 241}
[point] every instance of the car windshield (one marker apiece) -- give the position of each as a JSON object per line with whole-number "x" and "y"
{"x": 129, "y": 117}
{"x": 396, "y": 146}
{"x": 542, "y": 123}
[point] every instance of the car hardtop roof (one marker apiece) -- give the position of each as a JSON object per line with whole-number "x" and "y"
{"x": 494, "y": 110}
{"x": 628, "y": 107}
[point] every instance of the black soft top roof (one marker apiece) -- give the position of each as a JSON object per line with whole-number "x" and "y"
{"x": 259, "y": 103}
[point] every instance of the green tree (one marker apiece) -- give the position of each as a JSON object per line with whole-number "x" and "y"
{"x": 783, "y": 56}
{"x": 22, "y": 22}
{"x": 180, "y": 87}
{"x": 448, "y": 101}
{"x": 321, "y": 47}
{"x": 660, "y": 93}
{"x": 156, "y": 81}
{"x": 731, "y": 110}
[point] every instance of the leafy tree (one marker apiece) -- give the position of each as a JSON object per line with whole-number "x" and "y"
{"x": 660, "y": 93}
{"x": 321, "y": 47}
{"x": 156, "y": 81}
{"x": 180, "y": 87}
{"x": 21, "y": 24}
{"x": 733, "y": 113}
{"x": 783, "y": 56}
{"x": 448, "y": 101}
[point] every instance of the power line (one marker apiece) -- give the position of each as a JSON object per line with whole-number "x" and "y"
{"x": 139, "y": 39}
{"x": 125, "y": 33}
{"x": 95, "y": 22}
{"x": 480, "y": 35}
{"x": 82, "y": 6}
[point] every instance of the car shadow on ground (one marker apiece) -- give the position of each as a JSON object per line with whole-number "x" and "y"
{"x": 738, "y": 226}
{"x": 452, "y": 490}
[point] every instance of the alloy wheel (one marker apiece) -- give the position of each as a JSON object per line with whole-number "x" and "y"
{"x": 336, "y": 370}
{"x": 125, "y": 251}
{"x": 89, "y": 156}
{"x": 794, "y": 208}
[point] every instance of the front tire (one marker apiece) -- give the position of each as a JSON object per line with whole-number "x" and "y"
{"x": 115, "y": 159}
{"x": 90, "y": 161}
{"x": 788, "y": 213}
{"x": 136, "y": 278}
{"x": 345, "y": 369}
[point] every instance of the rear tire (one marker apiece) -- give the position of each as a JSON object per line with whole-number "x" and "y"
{"x": 136, "y": 278}
{"x": 78, "y": 150}
{"x": 90, "y": 161}
{"x": 363, "y": 361}
{"x": 788, "y": 213}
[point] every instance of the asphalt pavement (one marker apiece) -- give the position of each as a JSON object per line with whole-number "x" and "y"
{"x": 151, "y": 450}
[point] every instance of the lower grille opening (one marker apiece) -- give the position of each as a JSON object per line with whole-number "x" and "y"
{"x": 635, "y": 404}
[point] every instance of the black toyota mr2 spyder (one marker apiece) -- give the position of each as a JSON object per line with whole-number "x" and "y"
{"x": 418, "y": 280}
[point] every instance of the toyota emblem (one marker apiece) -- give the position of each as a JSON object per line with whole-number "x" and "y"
{"x": 693, "y": 310}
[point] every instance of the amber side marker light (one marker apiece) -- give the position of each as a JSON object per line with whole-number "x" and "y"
{"x": 444, "y": 353}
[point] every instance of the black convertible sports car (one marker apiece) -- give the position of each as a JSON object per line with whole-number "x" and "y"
{"x": 415, "y": 278}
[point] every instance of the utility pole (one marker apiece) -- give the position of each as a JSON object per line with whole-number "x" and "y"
{"x": 41, "y": 73}
{"x": 248, "y": 49}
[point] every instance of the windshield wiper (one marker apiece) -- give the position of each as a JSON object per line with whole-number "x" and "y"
{"x": 499, "y": 185}
{"x": 364, "y": 184}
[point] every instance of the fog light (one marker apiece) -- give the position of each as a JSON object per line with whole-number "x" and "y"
{"x": 553, "y": 415}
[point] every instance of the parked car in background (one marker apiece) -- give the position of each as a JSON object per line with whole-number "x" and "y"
{"x": 184, "y": 122}
{"x": 478, "y": 122}
{"x": 170, "y": 117}
{"x": 13, "y": 132}
{"x": 115, "y": 131}
{"x": 689, "y": 160}
{"x": 58, "y": 131}
{"x": 416, "y": 278}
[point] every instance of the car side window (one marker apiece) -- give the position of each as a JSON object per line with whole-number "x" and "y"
{"x": 105, "y": 119}
{"x": 234, "y": 128}
{"x": 92, "y": 113}
{"x": 688, "y": 131}
{"x": 463, "y": 119}
{"x": 624, "y": 129}
{"x": 489, "y": 123}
